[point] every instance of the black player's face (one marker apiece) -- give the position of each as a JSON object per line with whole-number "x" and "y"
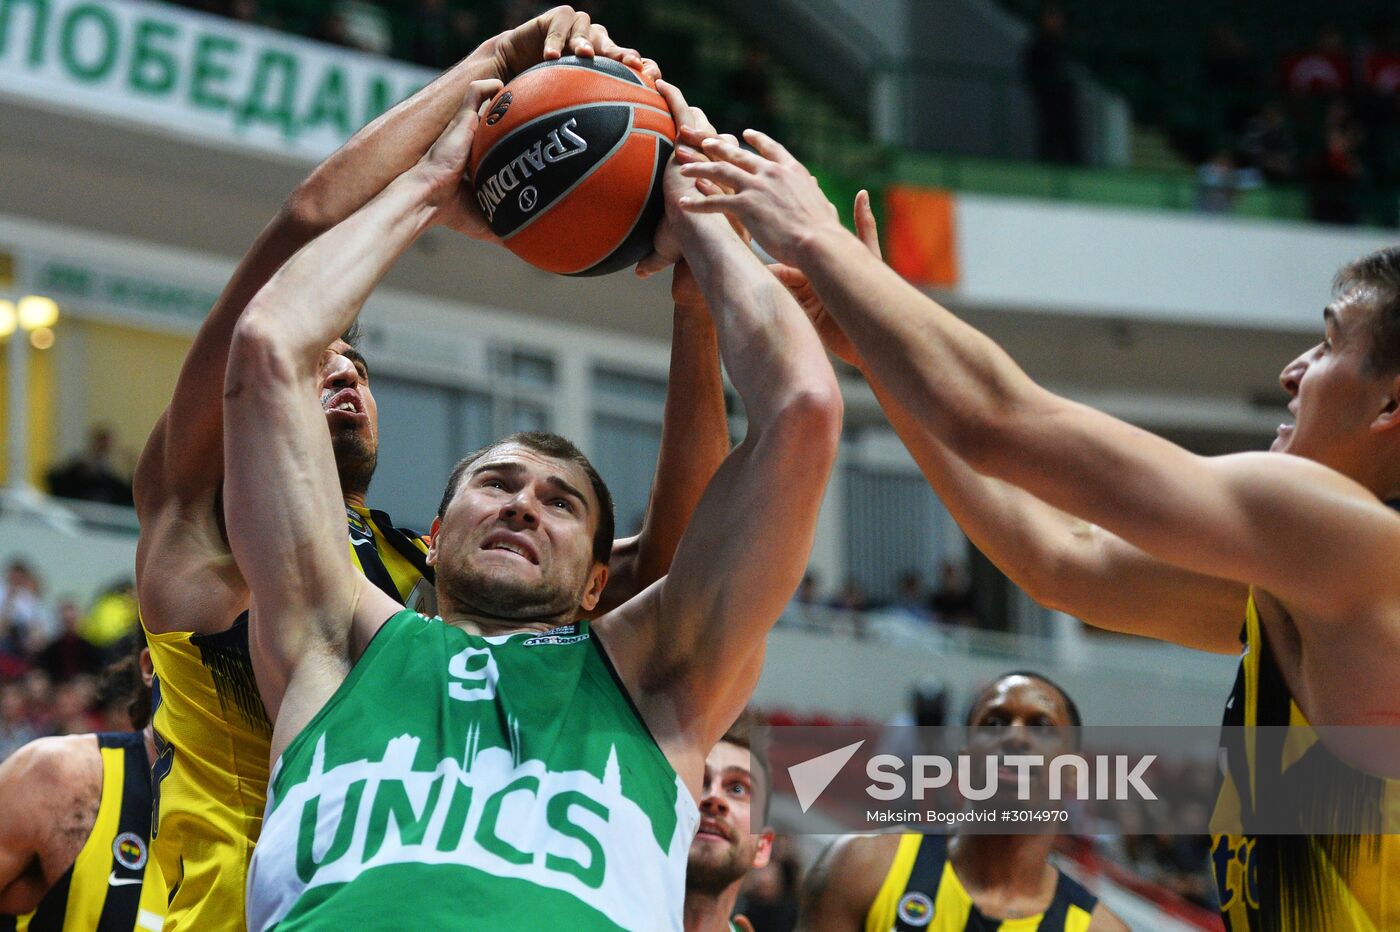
{"x": 725, "y": 847}
{"x": 516, "y": 540}
{"x": 1020, "y": 715}
{"x": 351, "y": 414}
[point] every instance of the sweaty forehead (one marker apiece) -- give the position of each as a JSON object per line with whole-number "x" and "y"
{"x": 1022, "y": 693}
{"x": 727, "y": 756}
{"x": 520, "y": 457}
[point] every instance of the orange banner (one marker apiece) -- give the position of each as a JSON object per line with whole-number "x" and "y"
{"x": 921, "y": 235}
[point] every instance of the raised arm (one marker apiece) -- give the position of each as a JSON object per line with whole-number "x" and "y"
{"x": 181, "y": 467}
{"x": 285, "y": 514}
{"x": 1061, "y": 561}
{"x": 694, "y": 441}
{"x": 693, "y": 645}
{"x": 842, "y": 885}
{"x": 1304, "y": 532}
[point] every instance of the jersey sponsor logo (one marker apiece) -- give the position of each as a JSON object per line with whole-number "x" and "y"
{"x": 916, "y": 909}
{"x": 483, "y": 809}
{"x": 564, "y": 634}
{"x": 475, "y": 673}
{"x": 1236, "y": 871}
{"x": 558, "y": 145}
{"x": 130, "y": 850}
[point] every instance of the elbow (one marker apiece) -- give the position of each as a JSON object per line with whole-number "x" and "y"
{"x": 982, "y": 436}
{"x": 260, "y": 347}
{"x": 810, "y": 419}
{"x": 302, "y": 214}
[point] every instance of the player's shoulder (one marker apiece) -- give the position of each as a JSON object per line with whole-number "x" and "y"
{"x": 55, "y": 763}
{"x": 855, "y": 863}
{"x": 1266, "y": 468}
{"x": 1103, "y": 919}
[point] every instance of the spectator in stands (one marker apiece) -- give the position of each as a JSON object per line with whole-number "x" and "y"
{"x": 912, "y": 597}
{"x": 1380, "y": 63}
{"x": 809, "y": 590}
{"x": 1337, "y": 177}
{"x": 1220, "y": 181}
{"x": 751, "y": 104}
{"x": 1046, "y": 67}
{"x": 112, "y": 619}
{"x": 25, "y": 623}
{"x": 439, "y": 34}
{"x": 1323, "y": 69}
{"x": 68, "y": 655}
{"x": 15, "y": 727}
{"x": 952, "y": 604}
{"x": 1231, "y": 74}
{"x": 92, "y": 475}
{"x": 1268, "y": 143}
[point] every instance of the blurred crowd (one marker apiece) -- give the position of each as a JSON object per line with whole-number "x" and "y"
{"x": 52, "y": 656}
{"x": 1326, "y": 116}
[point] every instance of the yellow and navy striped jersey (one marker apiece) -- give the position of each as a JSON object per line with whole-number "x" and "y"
{"x": 213, "y": 738}
{"x": 113, "y": 885}
{"x": 1295, "y": 883}
{"x": 922, "y": 893}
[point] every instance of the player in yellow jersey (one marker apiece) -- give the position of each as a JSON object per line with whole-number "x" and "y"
{"x": 211, "y": 729}
{"x": 967, "y": 883}
{"x": 1132, "y": 533}
{"x": 75, "y": 818}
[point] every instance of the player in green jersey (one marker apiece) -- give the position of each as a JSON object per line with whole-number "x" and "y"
{"x": 516, "y": 766}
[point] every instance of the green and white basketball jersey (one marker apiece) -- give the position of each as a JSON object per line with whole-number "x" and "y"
{"x": 462, "y": 782}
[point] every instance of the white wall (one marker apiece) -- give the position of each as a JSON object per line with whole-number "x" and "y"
{"x": 1063, "y": 257}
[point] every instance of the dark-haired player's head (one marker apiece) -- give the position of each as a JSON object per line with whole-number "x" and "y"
{"x": 351, "y": 412}
{"x": 524, "y": 530}
{"x": 733, "y": 837}
{"x": 1346, "y": 389}
{"x": 127, "y": 683}
{"x": 1018, "y": 713}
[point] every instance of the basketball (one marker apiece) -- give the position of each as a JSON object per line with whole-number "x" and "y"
{"x": 567, "y": 165}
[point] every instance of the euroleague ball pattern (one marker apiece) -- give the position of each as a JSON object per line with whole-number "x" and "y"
{"x": 567, "y": 165}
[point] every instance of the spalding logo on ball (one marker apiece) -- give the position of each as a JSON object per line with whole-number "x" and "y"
{"x": 567, "y": 165}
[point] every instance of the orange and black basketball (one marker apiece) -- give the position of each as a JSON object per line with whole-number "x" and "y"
{"x": 567, "y": 165}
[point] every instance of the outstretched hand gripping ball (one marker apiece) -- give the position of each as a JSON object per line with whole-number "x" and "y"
{"x": 567, "y": 165}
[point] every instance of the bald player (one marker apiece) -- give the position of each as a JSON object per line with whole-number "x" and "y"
{"x": 212, "y": 730}
{"x": 734, "y": 799}
{"x": 963, "y": 883}
{"x": 1288, "y": 555}
{"x": 75, "y": 819}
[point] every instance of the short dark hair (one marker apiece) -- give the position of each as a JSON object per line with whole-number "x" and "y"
{"x": 741, "y": 734}
{"x": 555, "y": 447}
{"x": 1070, "y": 708}
{"x": 1378, "y": 272}
{"x": 122, "y": 682}
{"x": 353, "y": 333}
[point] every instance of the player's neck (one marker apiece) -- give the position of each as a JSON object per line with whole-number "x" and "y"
{"x": 474, "y": 621}
{"x": 1013, "y": 863}
{"x": 710, "y": 912}
{"x": 354, "y": 499}
{"x": 148, "y": 735}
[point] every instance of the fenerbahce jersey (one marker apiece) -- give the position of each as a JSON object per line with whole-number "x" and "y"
{"x": 213, "y": 739}
{"x": 1295, "y": 883}
{"x": 463, "y": 782}
{"x": 113, "y": 886}
{"x": 922, "y": 893}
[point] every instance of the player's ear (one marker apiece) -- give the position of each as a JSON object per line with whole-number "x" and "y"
{"x": 764, "y": 852}
{"x": 432, "y": 541}
{"x": 1389, "y": 416}
{"x": 147, "y": 668}
{"x": 597, "y": 581}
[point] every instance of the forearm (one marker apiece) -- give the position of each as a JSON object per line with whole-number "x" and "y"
{"x": 384, "y": 148}
{"x": 694, "y": 441}
{"x": 961, "y": 383}
{"x": 329, "y": 280}
{"x": 767, "y": 345}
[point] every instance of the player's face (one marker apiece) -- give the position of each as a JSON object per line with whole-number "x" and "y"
{"x": 351, "y": 413}
{"x": 726, "y": 847}
{"x": 516, "y": 540}
{"x": 1336, "y": 396}
{"x": 1020, "y": 715}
